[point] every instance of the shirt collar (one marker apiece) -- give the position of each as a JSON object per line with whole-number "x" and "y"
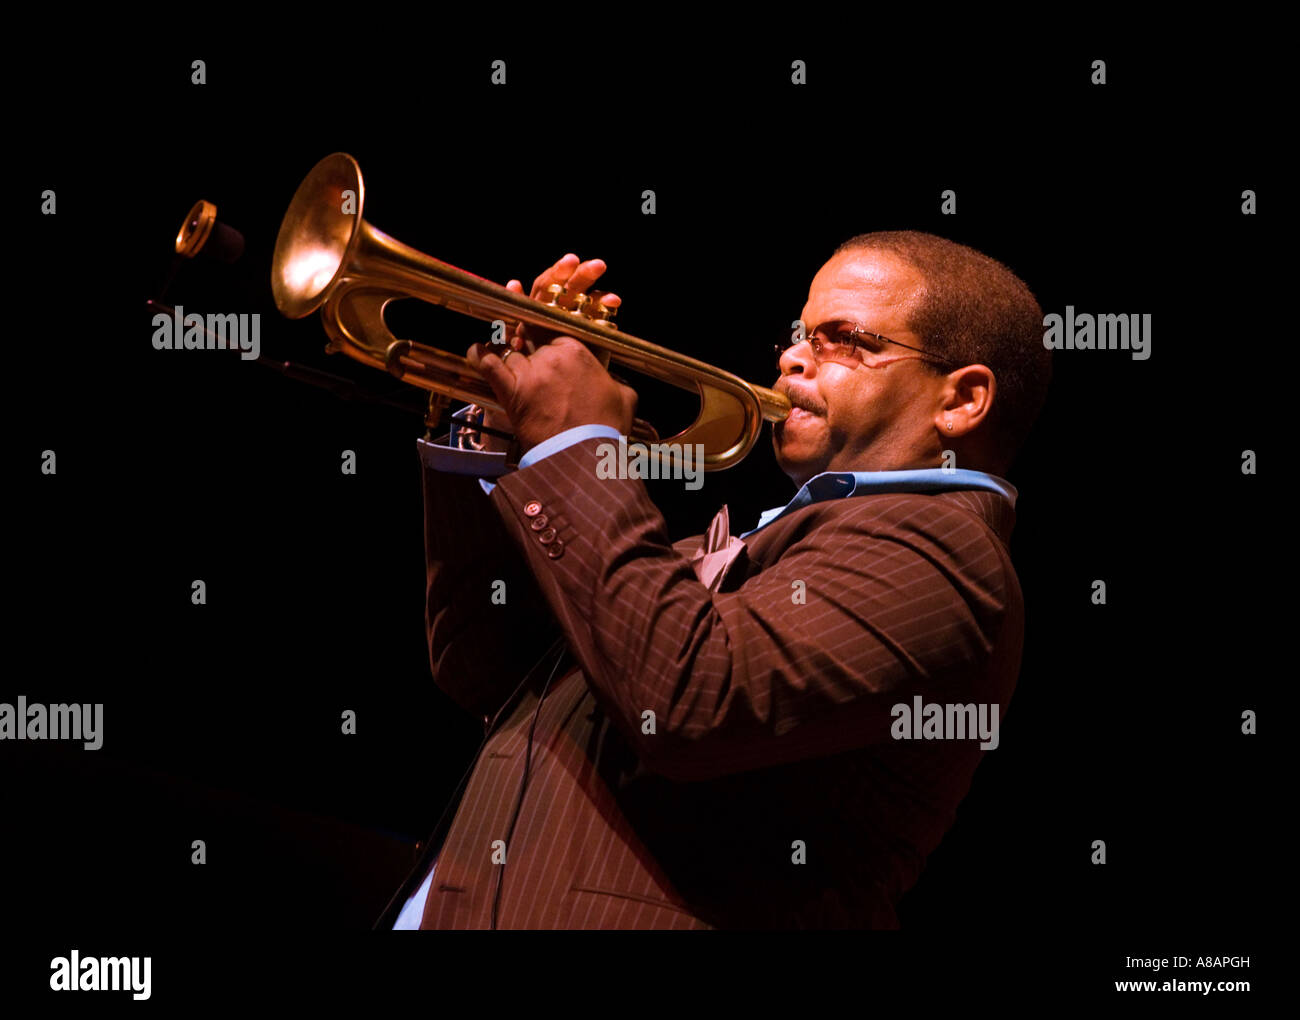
{"x": 839, "y": 484}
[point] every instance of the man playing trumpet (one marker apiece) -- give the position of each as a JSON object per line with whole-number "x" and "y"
{"x": 707, "y": 733}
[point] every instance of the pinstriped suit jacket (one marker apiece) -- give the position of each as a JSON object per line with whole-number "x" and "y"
{"x": 771, "y": 716}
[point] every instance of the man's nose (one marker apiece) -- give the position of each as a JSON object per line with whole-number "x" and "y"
{"x": 797, "y": 359}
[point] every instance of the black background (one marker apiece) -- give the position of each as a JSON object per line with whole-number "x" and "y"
{"x": 222, "y": 721}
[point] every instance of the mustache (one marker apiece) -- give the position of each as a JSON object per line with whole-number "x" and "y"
{"x": 801, "y": 400}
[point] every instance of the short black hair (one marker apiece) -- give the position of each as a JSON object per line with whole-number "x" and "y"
{"x": 974, "y": 310}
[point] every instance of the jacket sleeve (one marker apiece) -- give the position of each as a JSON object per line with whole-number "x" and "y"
{"x": 874, "y": 599}
{"x": 485, "y": 620}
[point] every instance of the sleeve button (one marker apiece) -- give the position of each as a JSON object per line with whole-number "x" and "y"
{"x": 555, "y": 550}
{"x": 532, "y": 508}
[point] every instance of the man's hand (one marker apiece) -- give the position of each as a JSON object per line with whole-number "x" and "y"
{"x": 558, "y": 387}
{"x": 576, "y": 276}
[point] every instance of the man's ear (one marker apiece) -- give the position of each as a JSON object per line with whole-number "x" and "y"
{"x": 967, "y": 400}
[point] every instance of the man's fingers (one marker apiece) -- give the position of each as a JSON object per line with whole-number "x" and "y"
{"x": 558, "y": 273}
{"x": 571, "y": 273}
{"x": 516, "y": 340}
{"x": 586, "y": 274}
{"x": 552, "y": 356}
{"x": 565, "y": 341}
{"x": 492, "y": 367}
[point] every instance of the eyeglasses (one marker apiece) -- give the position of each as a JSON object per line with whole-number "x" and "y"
{"x": 853, "y": 345}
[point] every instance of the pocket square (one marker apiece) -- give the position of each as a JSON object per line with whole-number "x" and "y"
{"x": 717, "y": 551}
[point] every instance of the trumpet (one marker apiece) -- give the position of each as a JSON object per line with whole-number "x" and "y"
{"x": 328, "y": 257}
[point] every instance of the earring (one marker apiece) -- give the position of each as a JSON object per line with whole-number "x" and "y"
{"x": 950, "y": 426}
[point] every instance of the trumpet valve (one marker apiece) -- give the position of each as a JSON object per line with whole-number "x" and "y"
{"x": 575, "y": 301}
{"x": 589, "y": 306}
{"x": 598, "y": 311}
